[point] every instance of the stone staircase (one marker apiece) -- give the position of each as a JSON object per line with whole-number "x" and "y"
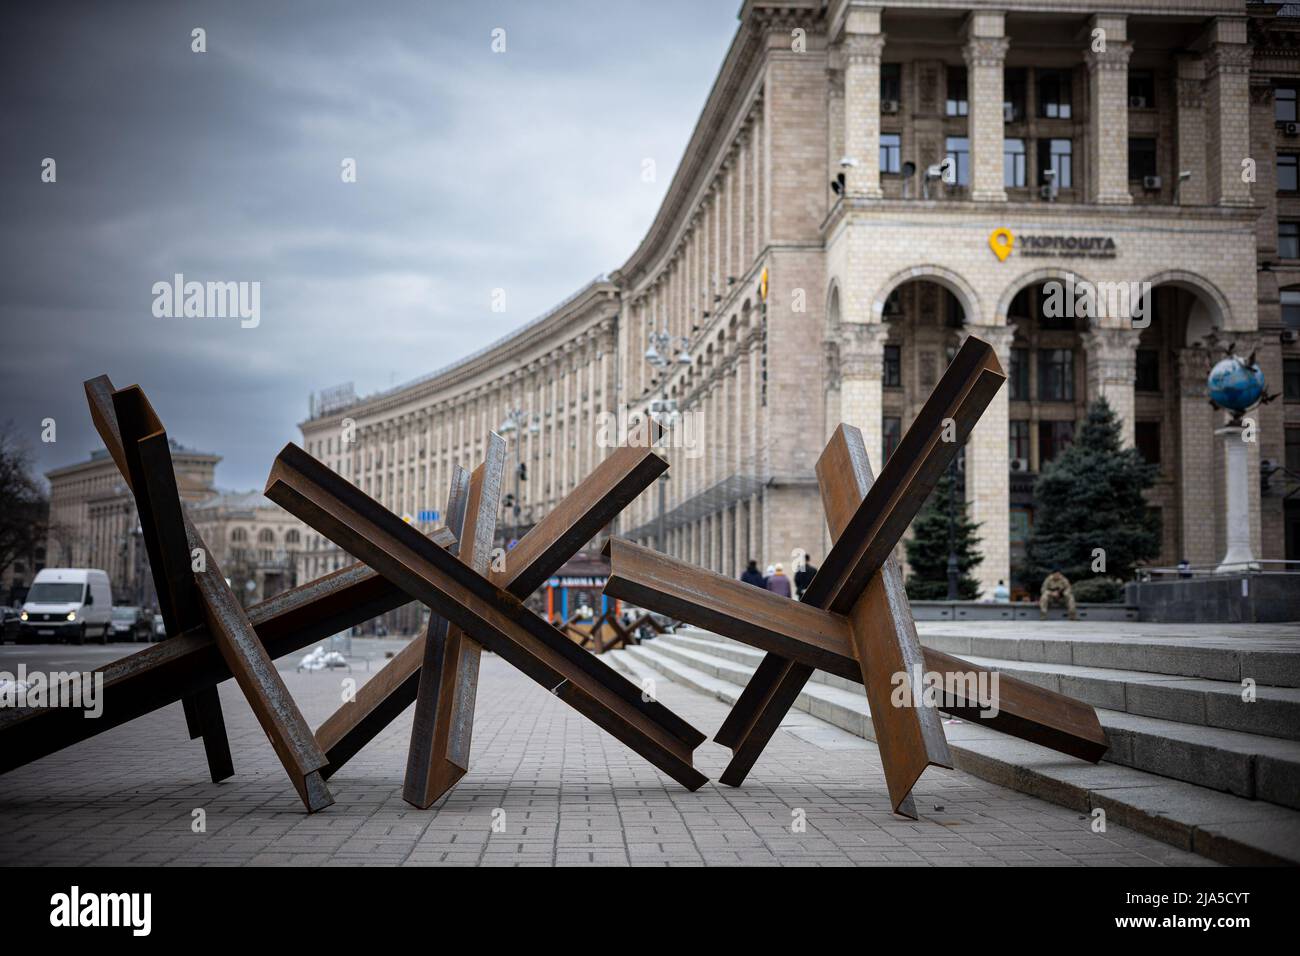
{"x": 1190, "y": 762}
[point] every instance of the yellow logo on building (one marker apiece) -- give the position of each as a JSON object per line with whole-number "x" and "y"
{"x": 1001, "y": 241}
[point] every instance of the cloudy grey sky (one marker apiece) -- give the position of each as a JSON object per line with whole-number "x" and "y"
{"x": 475, "y": 171}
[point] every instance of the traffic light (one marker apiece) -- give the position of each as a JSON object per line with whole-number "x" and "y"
{"x": 508, "y": 502}
{"x": 523, "y": 471}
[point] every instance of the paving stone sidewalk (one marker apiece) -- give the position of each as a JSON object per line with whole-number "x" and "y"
{"x": 561, "y": 792}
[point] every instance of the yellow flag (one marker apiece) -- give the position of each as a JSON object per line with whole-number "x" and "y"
{"x": 762, "y": 285}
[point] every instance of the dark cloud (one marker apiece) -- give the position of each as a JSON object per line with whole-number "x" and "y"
{"x": 475, "y": 171}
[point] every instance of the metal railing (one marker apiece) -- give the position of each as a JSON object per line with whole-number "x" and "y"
{"x": 1260, "y": 566}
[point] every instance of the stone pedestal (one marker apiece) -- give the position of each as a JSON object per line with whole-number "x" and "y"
{"x": 1239, "y": 555}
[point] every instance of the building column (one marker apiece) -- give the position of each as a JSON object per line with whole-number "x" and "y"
{"x": 988, "y": 471}
{"x": 1108, "y": 111}
{"x": 1191, "y": 130}
{"x": 862, "y": 355}
{"x": 985, "y": 53}
{"x": 1112, "y": 369}
{"x": 863, "y": 45}
{"x": 1227, "y": 87}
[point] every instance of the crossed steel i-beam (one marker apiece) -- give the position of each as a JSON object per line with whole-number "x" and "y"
{"x": 486, "y": 611}
{"x": 855, "y": 620}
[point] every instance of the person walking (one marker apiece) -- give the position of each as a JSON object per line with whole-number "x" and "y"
{"x": 751, "y": 575}
{"x": 778, "y": 583}
{"x": 803, "y": 576}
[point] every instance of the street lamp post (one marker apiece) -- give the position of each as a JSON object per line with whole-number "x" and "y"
{"x": 512, "y": 425}
{"x": 664, "y": 411}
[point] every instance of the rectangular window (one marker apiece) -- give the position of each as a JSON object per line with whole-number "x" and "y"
{"x": 1284, "y": 100}
{"x": 1288, "y": 240}
{"x": 1053, "y": 438}
{"x": 1291, "y": 309}
{"x": 1056, "y": 155}
{"x": 1019, "y": 377}
{"x": 1013, "y": 162}
{"x": 1286, "y": 172}
{"x": 1141, "y": 158}
{"x": 891, "y": 148}
{"x": 1055, "y": 375}
{"x": 893, "y": 374}
{"x": 957, "y": 103}
{"x": 1013, "y": 95}
{"x": 892, "y": 432}
{"x": 1146, "y": 436}
{"x": 1148, "y": 370}
{"x": 1141, "y": 90}
{"x": 1291, "y": 380}
{"x": 959, "y": 152}
{"x": 1019, "y": 445}
{"x": 1054, "y": 94}
{"x": 891, "y": 83}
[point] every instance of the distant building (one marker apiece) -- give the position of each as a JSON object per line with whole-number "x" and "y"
{"x": 257, "y": 544}
{"x": 94, "y": 524}
{"x": 812, "y": 264}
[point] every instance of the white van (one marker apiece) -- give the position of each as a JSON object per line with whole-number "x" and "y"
{"x": 67, "y": 604}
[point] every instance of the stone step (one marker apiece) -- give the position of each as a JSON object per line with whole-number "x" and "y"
{"x": 1220, "y": 826}
{"x": 1249, "y": 765}
{"x": 1268, "y": 654}
{"x": 1275, "y": 711}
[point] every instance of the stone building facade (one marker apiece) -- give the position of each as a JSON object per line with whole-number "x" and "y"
{"x": 869, "y": 183}
{"x": 94, "y": 524}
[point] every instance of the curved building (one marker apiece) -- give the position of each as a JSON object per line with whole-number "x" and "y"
{"x": 869, "y": 183}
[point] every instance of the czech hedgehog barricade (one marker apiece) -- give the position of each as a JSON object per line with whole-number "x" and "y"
{"x": 854, "y": 620}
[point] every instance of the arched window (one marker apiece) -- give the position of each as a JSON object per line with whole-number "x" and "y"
{"x": 266, "y": 536}
{"x": 291, "y": 536}
{"x": 239, "y": 535}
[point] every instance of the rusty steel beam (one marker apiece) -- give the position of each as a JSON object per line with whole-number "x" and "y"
{"x": 489, "y": 614}
{"x": 866, "y": 519}
{"x": 822, "y": 640}
{"x": 931, "y": 443}
{"x": 561, "y": 532}
{"x": 144, "y": 461}
{"x": 448, "y": 684}
{"x": 164, "y": 673}
{"x": 884, "y": 636}
{"x": 201, "y": 588}
{"x": 382, "y": 698}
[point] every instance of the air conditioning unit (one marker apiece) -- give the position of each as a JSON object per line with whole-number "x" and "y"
{"x": 1019, "y": 464}
{"x": 1290, "y": 336}
{"x": 1151, "y": 183}
{"x": 1291, "y": 129}
{"x": 889, "y": 106}
{"x": 1137, "y": 102}
{"x": 1048, "y": 192}
{"x": 1009, "y": 113}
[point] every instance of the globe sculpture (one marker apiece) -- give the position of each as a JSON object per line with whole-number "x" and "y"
{"x": 1236, "y": 384}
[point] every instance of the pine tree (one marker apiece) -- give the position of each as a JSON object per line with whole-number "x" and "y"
{"x": 1091, "y": 496}
{"x": 927, "y": 548}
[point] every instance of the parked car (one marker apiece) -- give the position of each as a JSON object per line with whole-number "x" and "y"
{"x": 131, "y": 624}
{"x": 67, "y": 604}
{"x": 9, "y": 624}
{"x": 159, "y": 627}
